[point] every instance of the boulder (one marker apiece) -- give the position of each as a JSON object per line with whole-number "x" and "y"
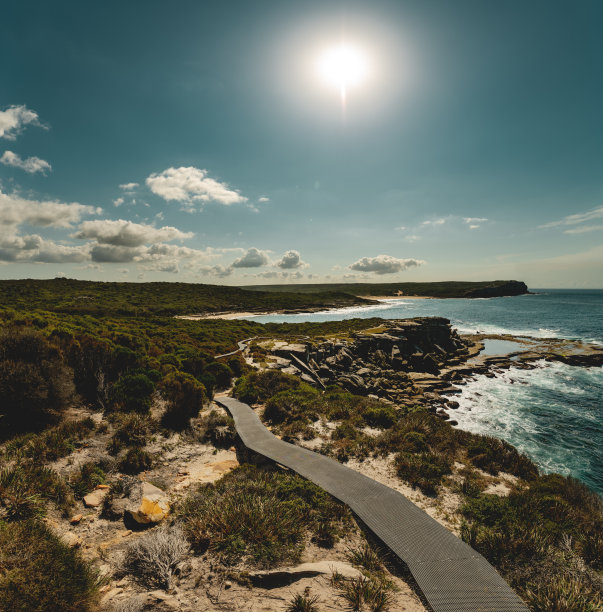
{"x": 154, "y": 505}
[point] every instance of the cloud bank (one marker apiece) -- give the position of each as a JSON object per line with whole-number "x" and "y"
{"x": 384, "y": 264}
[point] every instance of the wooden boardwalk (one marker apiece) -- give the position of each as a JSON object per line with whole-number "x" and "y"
{"x": 452, "y": 576}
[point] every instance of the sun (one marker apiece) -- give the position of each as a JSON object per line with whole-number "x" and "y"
{"x": 343, "y": 67}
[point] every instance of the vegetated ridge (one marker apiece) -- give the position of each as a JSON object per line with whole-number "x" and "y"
{"x": 164, "y": 299}
{"x": 444, "y": 289}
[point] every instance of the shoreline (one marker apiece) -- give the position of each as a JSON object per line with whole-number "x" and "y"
{"x": 232, "y": 315}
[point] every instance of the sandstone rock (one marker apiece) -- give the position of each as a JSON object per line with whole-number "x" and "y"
{"x": 95, "y": 499}
{"x": 154, "y": 506}
{"x": 74, "y": 520}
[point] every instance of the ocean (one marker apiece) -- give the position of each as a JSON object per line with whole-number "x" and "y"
{"x": 553, "y": 413}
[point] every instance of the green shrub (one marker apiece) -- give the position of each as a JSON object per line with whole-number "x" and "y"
{"x": 292, "y": 405}
{"x": 132, "y": 393}
{"x": 25, "y": 486}
{"x": 259, "y": 515}
{"x": 51, "y": 444}
{"x": 380, "y": 416}
{"x": 218, "y": 429}
{"x": 185, "y": 396}
{"x": 540, "y": 538}
{"x": 222, "y": 374}
{"x": 132, "y": 430}
{"x": 303, "y": 603}
{"x": 40, "y": 573}
{"x": 260, "y": 386}
{"x": 493, "y": 455}
{"x": 135, "y": 460}
{"x": 85, "y": 480}
{"x": 423, "y": 470}
{"x": 564, "y": 594}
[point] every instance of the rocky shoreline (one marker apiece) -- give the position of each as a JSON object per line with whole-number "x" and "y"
{"x": 409, "y": 361}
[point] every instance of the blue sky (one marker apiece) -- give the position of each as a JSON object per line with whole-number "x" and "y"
{"x": 196, "y": 141}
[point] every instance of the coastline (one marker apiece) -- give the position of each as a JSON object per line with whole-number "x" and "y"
{"x": 231, "y": 315}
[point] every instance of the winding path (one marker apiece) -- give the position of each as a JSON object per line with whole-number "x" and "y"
{"x": 452, "y": 576}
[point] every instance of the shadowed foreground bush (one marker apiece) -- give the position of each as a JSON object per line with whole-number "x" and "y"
{"x": 261, "y": 515}
{"x": 35, "y": 385}
{"x": 25, "y": 487}
{"x": 39, "y": 573}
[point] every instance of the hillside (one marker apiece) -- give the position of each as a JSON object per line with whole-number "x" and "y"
{"x": 163, "y": 299}
{"x": 444, "y": 289}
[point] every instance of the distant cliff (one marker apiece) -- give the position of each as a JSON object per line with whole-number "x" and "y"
{"x": 443, "y": 289}
{"x": 497, "y": 289}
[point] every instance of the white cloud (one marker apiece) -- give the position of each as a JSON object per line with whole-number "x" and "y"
{"x": 595, "y": 213}
{"x": 118, "y": 202}
{"x": 291, "y": 260}
{"x": 126, "y": 233}
{"x": 400, "y": 228}
{"x": 14, "y": 119}
{"x": 218, "y": 270}
{"x": 29, "y": 164}
{"x": 190, "y": 184}
{"x": 34, "y": 248}
{"x": 471, "y": 220}
{"x": 263, "y": 199}
{"x": 15, "y": 210}
{"x": 583, "y": 229}
{"x": 129, "y": 186}
{"x": 384, "y": 264}
{"x": 474, "y": 222}
{"x": 254, "y": 258}
{"x": 434, "y": 222}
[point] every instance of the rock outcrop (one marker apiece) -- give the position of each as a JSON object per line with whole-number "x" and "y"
{"x": 378, "y": 362}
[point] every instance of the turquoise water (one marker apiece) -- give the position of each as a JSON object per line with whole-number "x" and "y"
{"x": 553, "y": 413}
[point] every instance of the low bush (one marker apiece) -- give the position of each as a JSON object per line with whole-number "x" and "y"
{"x": 380, "y": 416}
{"x": 218, "y": 429}
{"x": 258, "y": 515}
{"x": 373, "y": 592}
{"x": 303, "y": 603}
{"x": 51, "y": 444}
{"x": 185, "y": 396}
{"x": 41, "y": 573}
{"x": 132, "y": 393}
{"x": 24, "y": 487}
{"x": 545, "y": 539}
{"x": 260, "y": 386}
{"x": 131, "y": 430}
{"x": 152, "y": 559}
{"x": 85, "y": 480}
{"x": 135, "y": 460}
{"x": 423, "y": 470}
{"x": 493, "y": 455}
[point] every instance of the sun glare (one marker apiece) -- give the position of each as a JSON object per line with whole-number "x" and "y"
{"x": 343, "y": 67}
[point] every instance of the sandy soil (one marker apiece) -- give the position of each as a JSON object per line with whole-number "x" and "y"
{"x": 223, "y": 315}
{"x": 396, "y": 297}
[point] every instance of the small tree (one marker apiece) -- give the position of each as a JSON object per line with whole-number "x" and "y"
{"x": 184, "y": 395}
